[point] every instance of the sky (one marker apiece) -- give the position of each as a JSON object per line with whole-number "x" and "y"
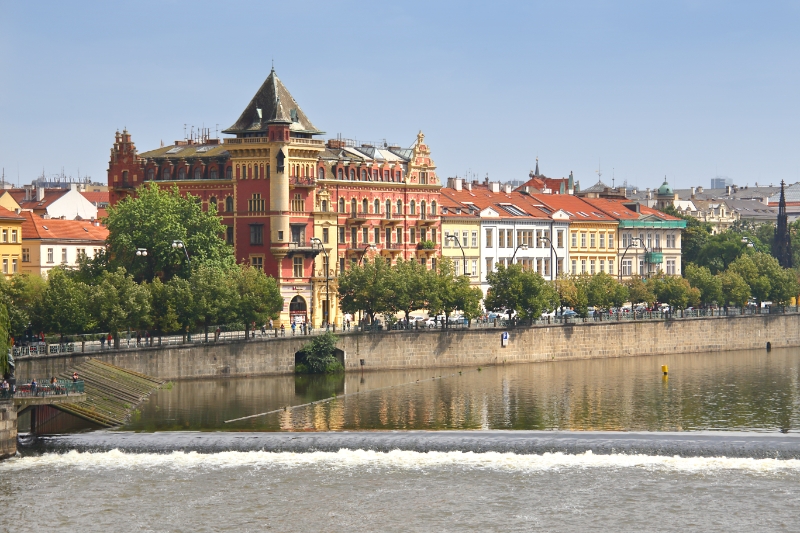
{"x": 640, "y": 90}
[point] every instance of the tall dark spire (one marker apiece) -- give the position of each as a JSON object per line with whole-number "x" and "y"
{"x": 781, "y": 244}
{"x": 536, "y": 172}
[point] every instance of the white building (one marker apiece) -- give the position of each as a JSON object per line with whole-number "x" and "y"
{"x": 47, "y": 242}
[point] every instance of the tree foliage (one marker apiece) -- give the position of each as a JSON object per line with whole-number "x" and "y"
{"x": 709, "y": 285}
{"x": 525, "y": 291}
{"x": 318, "y": 355}
{"x": 119, "y": 303}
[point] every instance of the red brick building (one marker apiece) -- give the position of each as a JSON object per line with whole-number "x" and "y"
{"x": 295, "y": 206}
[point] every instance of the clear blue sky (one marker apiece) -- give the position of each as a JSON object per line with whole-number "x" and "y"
{"x": 686, "y": 89}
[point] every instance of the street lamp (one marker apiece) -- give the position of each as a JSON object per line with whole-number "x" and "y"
{"x": 367, "y": 248}
{"x": 180, "y": 244}
{"x": 747, "y": 241}
{"x": 554, "y": 265}
{"x": 142, "y": 252}
{"x": 634, "y": 241}
{"x": 524, "y": 247}
{"x": 463, "y": 255}
{"x": 327, "y": 278}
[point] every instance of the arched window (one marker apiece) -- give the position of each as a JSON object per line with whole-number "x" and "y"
{"x": 413, "y": 207}
{"x": 212, "y": 174}
{"x": 340, "y": 174}
{"x": 321, "y": 173}
{"x": 324, "y": 205}
{"x": 364, "y": 205}
{"x": 341, "y": 205}
{"x": 229, "y": 173}
{"x": 238, "y": 172}
{"x": 150, "y": 174}
{"x": 363, "y": 175}
{"x": 256, "y": 173}
{"x": 388, "y": 208}
{"x": 165, "y": 174}
{"x": 433, "y": 208}
{"x": 353, "y": 205}
{"x": 399, "y": 207}
{"x": 198, "y": 173}
{"x": 212, "y": 204}
{"x": 182, "y": 174}
{"x": 352, "y": 174}
{"x": 229, "y": 204}
{"x": 422, "y": 208}
{"x": 377, "y": 206}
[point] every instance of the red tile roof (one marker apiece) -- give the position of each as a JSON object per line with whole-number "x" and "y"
{"x": 618, "y": 209}
{"x": 35, "y": 227}
{"x": 481, "y": 196}
{"x": 96, "y": 197}
{"x": 541, "y": 183}
{"x": 50, "y": 196}
{"x": 578, "y": 209}
{"x": 6, "y": 214}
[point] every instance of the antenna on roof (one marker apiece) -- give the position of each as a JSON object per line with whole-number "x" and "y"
{"x": 599, "y": 171}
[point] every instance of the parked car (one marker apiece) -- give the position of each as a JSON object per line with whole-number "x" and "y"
{"x": 568, "y": 313}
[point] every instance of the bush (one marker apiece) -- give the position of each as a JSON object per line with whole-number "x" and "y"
{"x": 317, "y": 356}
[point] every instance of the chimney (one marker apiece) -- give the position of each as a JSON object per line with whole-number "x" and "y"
{"x": 727, "y": 190}
{"x": 73, "y": 186}
{"x": 692, "y": 192}
{"x": 39, "y": 194}
{"x": 469, "y": 186}
{"x": 507, "y": 188}
{"x": 457, "y": 184}
{"x": 17, "y": 210}
{"x": 494, "y": 186}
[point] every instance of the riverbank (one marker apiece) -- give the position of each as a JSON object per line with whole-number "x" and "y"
{"x": 447, "y": 348}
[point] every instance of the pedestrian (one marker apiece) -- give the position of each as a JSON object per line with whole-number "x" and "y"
{"x": 138, "y": 338}
{"x": 147, "y": 340}
{"x": 283, "y": 330}
{"x": 108, "y": 340}
{"x": 74, "y": 377}
{"x": 271, "y": 324}
{"x": 348, "y": 324}
{"x": 263, "y": 330}
{"x": 34, "y": 385}
{"x": 293, "y": 328}
{"x": 102, "y": 341}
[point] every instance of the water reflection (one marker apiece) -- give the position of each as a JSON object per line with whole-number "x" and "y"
{"x": 748, "y": 390}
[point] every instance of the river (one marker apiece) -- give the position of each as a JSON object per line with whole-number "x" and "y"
{"x": 605, "y": 444}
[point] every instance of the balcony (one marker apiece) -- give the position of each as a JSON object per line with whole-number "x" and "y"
{"x": 427, "y": 220}
{"x": 308, "y": 142}
{"x": 297, "y": 181}
{"x": 654, "y": 258}
{"x": 357, "y": 217}
{"x": 391, "y": 219}
{"x": 307, "y": 248}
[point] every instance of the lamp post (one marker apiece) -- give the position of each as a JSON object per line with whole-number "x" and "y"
{"x": 327, "y": 278}
{"x": 463, "y": 255}
{"x": 634, "y": 241}
{"x": 553, "y": 266}
{"x": 522, "y": 246}
{"x": 141, "y": 252}
{"x": 182, "y": 245}
{"x": 367, "y": 248}
{"x": 747, "y": 241}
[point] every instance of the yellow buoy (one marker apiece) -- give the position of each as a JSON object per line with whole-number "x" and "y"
{"x": 664, "y": 369}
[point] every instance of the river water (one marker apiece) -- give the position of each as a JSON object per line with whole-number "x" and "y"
{"x": 561, "y": 446}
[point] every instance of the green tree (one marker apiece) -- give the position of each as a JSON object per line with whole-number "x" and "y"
{"x": 452, "y": 293}
{"x": 65, "y": 304}
{"x": 23, "y": 296}
{"x": 259, "y": 297}
{"x": 709, "y": 285}
{"x": 163, "y": 308}
{"x": 735, "y": 289}
{"x": 410, "y": 284}
{"x": 694, "y": 236}
{"x": 152, "y": 220}
{"x": 318, "y": 355}
{"x": 366, "y": 287}
{"x": 720, "y": 251}
{"x": 640, "y": 291}
{"x": 214, "y": 295}
{"x": 676, "y": 291}
{"x": 604, "y": 291}
{"x": 5, "y": 339}
{"x": 118, "y": 303}
{"x": 524, "y": 291}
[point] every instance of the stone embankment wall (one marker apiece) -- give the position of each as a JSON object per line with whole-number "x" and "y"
{"x": 427, "y": 349}
{"x": 8, "y": 429}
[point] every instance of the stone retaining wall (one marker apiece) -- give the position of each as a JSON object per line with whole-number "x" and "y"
{"x": 425, "y": 348}
{"x": 8, "y": 429}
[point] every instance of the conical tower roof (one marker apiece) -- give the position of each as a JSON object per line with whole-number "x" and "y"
{"x": 277, "y": 105}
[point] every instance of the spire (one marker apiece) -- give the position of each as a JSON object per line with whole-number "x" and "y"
{"x": 536, "y": 172}
{"x": 781, "y": 244}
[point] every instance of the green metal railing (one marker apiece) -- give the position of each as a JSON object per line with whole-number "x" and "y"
{"x": 62, "y": 387}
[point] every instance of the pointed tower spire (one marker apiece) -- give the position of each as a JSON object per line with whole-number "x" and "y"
{"x": 536, "y": 172}
{"x": 782, "y": 244}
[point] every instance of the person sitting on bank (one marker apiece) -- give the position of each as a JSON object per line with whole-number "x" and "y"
{"x": 74, "y": 377}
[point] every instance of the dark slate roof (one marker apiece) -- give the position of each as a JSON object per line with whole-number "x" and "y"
{"x": 202, "y": 151}
{"x": 597, "y": 187}
{"x": 276, "y": 105}
{"x": 753, "y": 210}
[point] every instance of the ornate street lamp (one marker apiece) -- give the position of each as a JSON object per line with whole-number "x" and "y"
{"x": 367, "y": 248}
{"x": 178, "y": 244}
{"x": 463, "y": 255}
{"x": 142, "y": 252}
{"x": 524, "y": 247}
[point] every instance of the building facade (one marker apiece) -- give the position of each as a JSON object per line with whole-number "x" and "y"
{"x": 10, "y": 242}
{"x": 293, "y": 205}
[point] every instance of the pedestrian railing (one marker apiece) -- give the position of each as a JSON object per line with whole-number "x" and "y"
{"x": 62, "y": 387}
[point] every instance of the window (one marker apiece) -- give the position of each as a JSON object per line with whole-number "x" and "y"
{"x": 376, "y": 206}
{"x": 611, "y": 266}
{"x": 626, "y": 267}
{"x": 489, "y": 264}
{"x": 474, "y": 267}
{"x": 229, "y": 235}
{"x": 198, "y": 173}
{"x": 433, "y": 235}
{"x": 324, "y": 206}
{"x": 280, "y": 235}
{"x": 671, "y": 267}
{"x": 341, "y": 264}
{"x": 256, "y": 204}
{"x": 388, "y": 237}
{"x": 412, "y": 236}
{"x": 465, "y": 238}
{"x": 229, "y": 204}
{"x": 489, "y": 238}
{"x": 297, "y": 203}
{"x": 341, "y": 234}
{"x": 399, "y": 235}
{"x": 433, "y": 208}
{"x": 559, "y": 267}
{"x": 457, "y": 267}
{"x": 509, "y": 238}
{"x": 658, "y": 240}
{"x": 447, "y": 239}
{"x": 5, "y": 265}
{"x": 13, "y": 266}
{"x": 583, "y": 266}
{"x": 26, "y": 255}
{"x": 325, "y": 236}
{"x": 353, "y": 237}
{"x": 212, "y": 174}
{"x": 150, "y": 174}
{"x": 574, "y": 267}
{"x": 583, "y": 240}
{"x": 339, "y": 174}
{"x": 257, "y": 262}
{"x": 610, "y": 240}
{"x": 365, "y": 235}
{"x": 670, "y": 241}
{"x": 321, "y": 173}
{"x": 297, "y": 266}
{"x": 341, "y": 205}
{"x": 413, "y": 207}
{"x": 501, "y": 240}
{"x": 641, "y": 267}
{"x": 474, "y": 239}
{"x": 560, "y": 240}
{"x": 165, "y": 174}
{"x": 244, "y": 172}
{"x": 423, "y": 234}
{"x": 388, "y": 209}
{"x": 363, "y": 175}
{"x": 602, "y": 265}
{"x": 256, "y": 234}
{"x": 377, "y": 232}
{"x": 385, "y": 175}
{"x": 5, "y": 235}
{"x": 229, "y": 173}
{"x": 574, "y": 240}
{"x": 591, "y": 240}
{"x": 182, "y": 174}
{"x": 352, "y": 174}
{"x": 649, "y": 241}
{"x": 602, "y": 240}
{"x": 63, "y": 255}
{"x": 399, "y": 207}
{"x": 591, "y": 267}
{"x": 546, "y": 267}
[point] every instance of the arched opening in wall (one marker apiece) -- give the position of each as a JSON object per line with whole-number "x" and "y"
{"x": 182, "y": 173}
{"x": 198, "y": 173}
{"x": 341, "y": 205}
{"x": 212, "y": 204}
{"x": 364, "y": 205}
{"x": 321, "y": 173}
{"x": 353, "y": 206}
{"x": 150, "y": 174}
{"x": 324, "y": 206}
{"x": 377, "y": 206}
{"x": 212, "y": 174}
{"x": 229, "y": 204}
{"x": 298, "y": 310}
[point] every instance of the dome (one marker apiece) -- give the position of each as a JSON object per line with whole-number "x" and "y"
{"x": 665, "y": 189}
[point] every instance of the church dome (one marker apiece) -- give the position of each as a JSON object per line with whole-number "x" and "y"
{"x": 665, "y": 189}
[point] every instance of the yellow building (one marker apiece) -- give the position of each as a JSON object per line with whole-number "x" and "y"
{"x": 461, "y": 236}
{"x": 8, "y": 202}
{"x": 592, "y": 236}
{"x": 10, "y": 241}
